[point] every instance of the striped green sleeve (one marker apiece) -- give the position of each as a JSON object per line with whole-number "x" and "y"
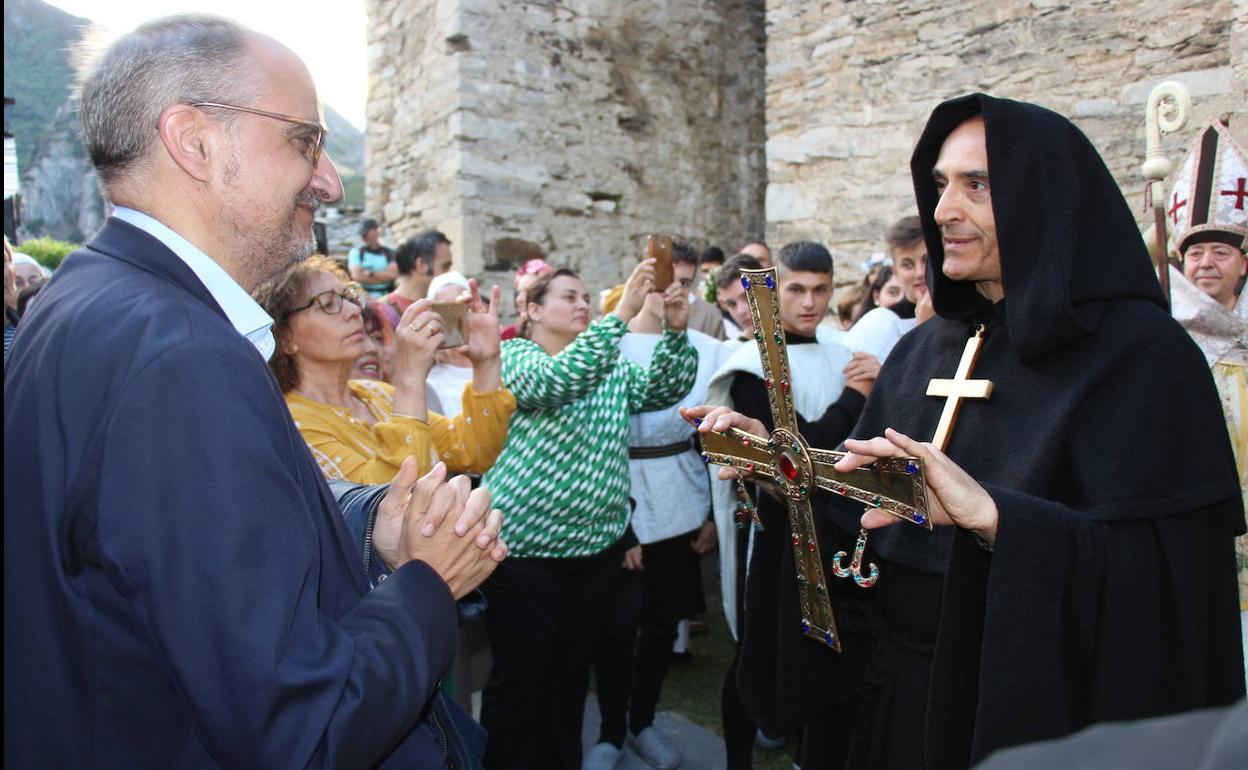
{"x": 539, "y": 380}
{"x": 669, "y": 377}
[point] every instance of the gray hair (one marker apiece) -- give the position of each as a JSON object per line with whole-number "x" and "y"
{"x": 180, "y": 59}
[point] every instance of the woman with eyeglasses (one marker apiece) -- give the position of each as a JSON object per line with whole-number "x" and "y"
{"x": 362, "y": 430}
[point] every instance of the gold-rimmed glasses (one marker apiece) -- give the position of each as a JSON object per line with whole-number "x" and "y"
{"x": 317, "y": 144}
{"x": 330, "y": 302}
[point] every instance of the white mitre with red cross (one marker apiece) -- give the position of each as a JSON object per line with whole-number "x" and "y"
{"x": 1209, "y": 201}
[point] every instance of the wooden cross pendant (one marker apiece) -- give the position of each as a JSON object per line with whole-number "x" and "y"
{"x": 787, "y": 461}
{"x": 958, "y": 388}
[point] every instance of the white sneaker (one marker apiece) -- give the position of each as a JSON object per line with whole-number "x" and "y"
{"x": 655, "y": 749}
{"x": 602, "y": 756}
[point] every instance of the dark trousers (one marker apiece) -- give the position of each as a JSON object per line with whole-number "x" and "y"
{"x": 739, "y": 729}
{"x": 636, "y": 645}
{"x": 543, "y": 620}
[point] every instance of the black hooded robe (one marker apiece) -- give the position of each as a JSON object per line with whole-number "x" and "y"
{"x": 1110, "y": 592}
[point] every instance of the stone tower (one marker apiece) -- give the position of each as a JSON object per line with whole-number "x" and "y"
{"x": 573, "y": 128}
{"x": 566, "y": 129}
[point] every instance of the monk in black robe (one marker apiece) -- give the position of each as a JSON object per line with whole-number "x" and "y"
{"x": 1090, "y": 574}
{"x": 1089, "y": 571}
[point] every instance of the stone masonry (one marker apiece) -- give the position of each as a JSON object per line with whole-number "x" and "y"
{"x": 571, "y": 129}
{"x": 850, "y": 86}
{"x": 567, "y": 130}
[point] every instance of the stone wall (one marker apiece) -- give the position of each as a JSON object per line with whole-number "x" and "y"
{"x": 850, "y": 85}
{"x": 567, "y": 129}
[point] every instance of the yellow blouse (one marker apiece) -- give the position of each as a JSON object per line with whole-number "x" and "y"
{"x": 351, "y": 449}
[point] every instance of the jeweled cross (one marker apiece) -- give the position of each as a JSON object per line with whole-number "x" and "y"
{"x": 895, "y": 485}
{"x": 1240, "y": 193}
{"x": 1174, "y": 209}
{"x": 958, "y": 388}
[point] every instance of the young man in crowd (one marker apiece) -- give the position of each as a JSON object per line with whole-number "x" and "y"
{"x": 702, "y": 315}
{"x": 371, "y": 264}
{"x": 879, "y": 329}
{"x": 730, "y": 296}
{"x": 418, "y": 261}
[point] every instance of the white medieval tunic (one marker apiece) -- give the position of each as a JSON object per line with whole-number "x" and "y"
{"x": 671, "y": 493}
{"x": 878, "y": 331}
{"x": 817, "y": 382}
{"x": 1222, "y": 335}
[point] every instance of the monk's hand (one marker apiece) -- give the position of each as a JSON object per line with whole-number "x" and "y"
{"x": 708, "y": 418}
{"x": 954, "y": 497}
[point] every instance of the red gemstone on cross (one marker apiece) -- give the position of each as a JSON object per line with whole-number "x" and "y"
{"x": 784, "y": 385}
{"x": 767, "y": 384}
{"x": 810, "y": 546}
{"x": 1240, "y": 193}
{"x": 788, "y": 467}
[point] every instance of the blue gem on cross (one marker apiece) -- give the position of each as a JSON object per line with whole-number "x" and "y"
{"x": 745, "y": 282}
{"x": 705, "y": 457}
{"x": 771, "y": 282}
{"x": 919, "y": 518}
{"x": 828, "y": 639}
{"x": 912, "y": 467}
{"x": 805, "y": 626}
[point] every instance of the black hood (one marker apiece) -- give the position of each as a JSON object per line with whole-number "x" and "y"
{"x": 1067, "y": 239}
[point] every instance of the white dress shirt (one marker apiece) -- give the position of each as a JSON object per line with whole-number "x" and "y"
{"x": 242, "y": 311}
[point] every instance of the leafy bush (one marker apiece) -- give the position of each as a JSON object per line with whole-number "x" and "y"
{"x": 47, "y": 251}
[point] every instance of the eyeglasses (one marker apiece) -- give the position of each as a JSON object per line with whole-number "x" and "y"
{"x": 330, "y": 302}
{"x": 314, "y": 148}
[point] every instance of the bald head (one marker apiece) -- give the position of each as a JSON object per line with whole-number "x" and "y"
{"x": 174, "y": 60}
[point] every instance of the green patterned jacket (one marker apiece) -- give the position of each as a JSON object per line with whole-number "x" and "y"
{"x": 562, "y": 478}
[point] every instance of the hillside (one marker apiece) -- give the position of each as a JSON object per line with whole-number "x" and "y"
{"x": 58, "y": 185}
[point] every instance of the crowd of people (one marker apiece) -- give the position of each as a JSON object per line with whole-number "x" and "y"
{"x": 285, "y": 511}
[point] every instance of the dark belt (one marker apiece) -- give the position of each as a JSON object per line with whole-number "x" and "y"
{"x": 667, "y": 450}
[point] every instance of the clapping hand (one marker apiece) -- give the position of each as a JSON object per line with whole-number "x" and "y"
{"x": 410, "y": 525}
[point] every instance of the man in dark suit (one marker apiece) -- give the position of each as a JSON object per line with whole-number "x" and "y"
{"x": 180, "y": 589}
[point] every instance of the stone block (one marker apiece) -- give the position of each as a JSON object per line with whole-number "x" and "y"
{"x": 1208, "y": 82}
{"x": 788, "y": 203}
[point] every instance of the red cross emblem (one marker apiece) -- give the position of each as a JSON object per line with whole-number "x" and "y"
{"x": 1240, "y": 193}
{"x": 1174, "y": 209}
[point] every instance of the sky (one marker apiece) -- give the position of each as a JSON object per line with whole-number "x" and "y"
{"x": 328, "y": 35}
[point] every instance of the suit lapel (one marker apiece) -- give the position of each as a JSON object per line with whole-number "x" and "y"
{"x": 123, "y": 241}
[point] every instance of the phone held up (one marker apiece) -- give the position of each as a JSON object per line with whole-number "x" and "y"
{"x": 454, "y": 317}
{"x": 659, "y": 248}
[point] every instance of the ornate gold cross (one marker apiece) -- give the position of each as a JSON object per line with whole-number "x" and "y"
{"x": 958, "y": 388}
{"x": 795, "y": 469}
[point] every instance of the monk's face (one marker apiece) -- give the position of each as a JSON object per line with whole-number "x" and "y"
{"x": 964, "y": 212}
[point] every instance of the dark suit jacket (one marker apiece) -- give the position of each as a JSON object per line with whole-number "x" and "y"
{"x": 179, "y": 587}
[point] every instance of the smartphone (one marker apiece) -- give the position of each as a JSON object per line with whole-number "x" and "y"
{"x": 659, "y": 248}
{"x": 454, "y": 317}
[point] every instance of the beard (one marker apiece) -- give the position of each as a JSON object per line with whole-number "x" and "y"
{"x": 269, "y": 242}
{"x": 266, "y": 240}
